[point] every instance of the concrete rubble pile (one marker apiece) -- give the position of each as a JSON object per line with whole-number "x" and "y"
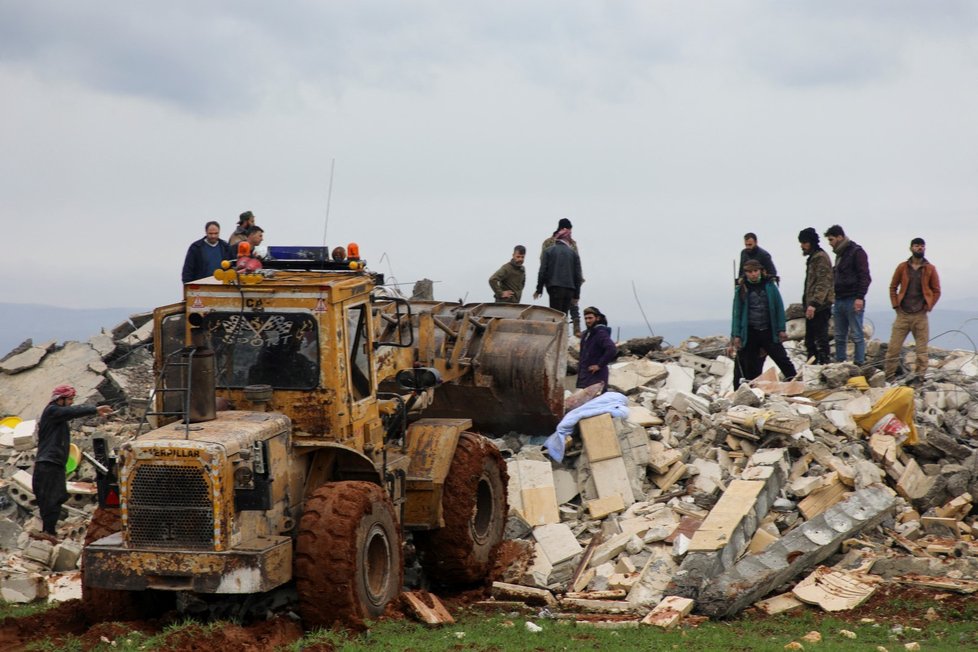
{"x": 113, "y": 367}
{"x": 704, "y": 500}
{"x": 779, "y": 494}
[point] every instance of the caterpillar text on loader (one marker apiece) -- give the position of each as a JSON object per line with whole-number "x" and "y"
{"x": 306, "y": 421}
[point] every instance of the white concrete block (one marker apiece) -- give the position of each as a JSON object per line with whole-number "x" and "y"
{"x": 557, "y": 542}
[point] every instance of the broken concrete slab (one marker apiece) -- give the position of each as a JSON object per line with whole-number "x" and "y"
{"x": 23, "y": 361}
{"x": 27, "y": 393}
{"x": 757, "y": 575}
{"x": 558, "y": 542}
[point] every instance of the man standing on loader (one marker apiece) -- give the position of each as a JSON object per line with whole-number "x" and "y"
{"x": 564, "y": 227}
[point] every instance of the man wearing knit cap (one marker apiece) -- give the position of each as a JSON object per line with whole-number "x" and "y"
{"x": 818, "y": 296}
{"x": 564, "y": 226}
{"x": 560, "y": 272}
{"x": 53, "y": 442}
{"x": 914, "y": 291}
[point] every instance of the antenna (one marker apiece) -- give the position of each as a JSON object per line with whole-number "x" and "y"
{"x": 329, "y": 197}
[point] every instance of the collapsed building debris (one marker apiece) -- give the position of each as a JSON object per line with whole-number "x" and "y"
{"x": 705, "y": 499}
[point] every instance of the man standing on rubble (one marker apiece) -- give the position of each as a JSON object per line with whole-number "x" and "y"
{"x": 560, "y": 272}
{"x": 597, "y": 350}
{"x": 752, "y": 252}
{"x": 914, "y": 291}
{"x": 508, "y": 281}
{"x": 852, "y": 279}
{"x": 205, "y": 255}
{"x": 564, "y": 224}
{"x": 818, "y": 296}
{"x": 53, "y": 442}
{"x": 758, "y": 326}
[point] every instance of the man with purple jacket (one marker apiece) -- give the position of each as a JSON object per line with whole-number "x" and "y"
{"x": 852, "y": 279}
{"x": 597, "y": 350}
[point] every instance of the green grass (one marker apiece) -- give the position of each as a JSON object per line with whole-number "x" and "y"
{"x": 18, "y": 610}
{"x": 477, "y": 633}
{"x": 957, "y": 629}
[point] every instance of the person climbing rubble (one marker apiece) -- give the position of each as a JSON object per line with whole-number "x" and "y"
{"x": 53, "y": 442}
{"x": 758, "y": 326}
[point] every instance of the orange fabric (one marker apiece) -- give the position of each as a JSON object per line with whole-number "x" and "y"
{"x": 930, "y": 283}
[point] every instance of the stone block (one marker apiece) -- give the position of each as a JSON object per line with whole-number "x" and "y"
{"x": 599, "y": 437}
{"x": 39, "y": 551}
{"x": 610, "y": 478}
{"x": 557, "y": 542}
{"x": 680, "y": 379}
{"x": 65, "y": 556}
{"x": 22, "y": 588}
{"x": 565, "y": 485}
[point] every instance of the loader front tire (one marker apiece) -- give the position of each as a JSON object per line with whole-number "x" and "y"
{"x": 474, "y": 509}
{"x": 348, "y": 558}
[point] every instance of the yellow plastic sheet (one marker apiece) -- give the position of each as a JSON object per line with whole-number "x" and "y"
{"x": 897, "y": 401}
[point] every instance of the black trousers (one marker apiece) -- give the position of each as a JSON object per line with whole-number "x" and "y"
{"x": 51, "y": 492}
{"x": 560, "y": 298}
{"x": 750, "y": 358}
{"x": 817, "y": 336}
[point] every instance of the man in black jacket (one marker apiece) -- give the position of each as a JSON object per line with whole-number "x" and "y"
{"x": 53, "y": 441}
{"x": 851, "y": 279}
{"x": 560, "y": 272}
{"x": 205, "y": 255}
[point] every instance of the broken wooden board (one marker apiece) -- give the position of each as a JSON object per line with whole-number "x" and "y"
{"x": 427, "y": 608}
{"x": 601, "y": 507}
{"x": 669, "y": 612}
{"x": 956, "y": 508}
{"x": 938, "y": 526}
{"x": 665, "y": 480}
{"x": 821, "y": 499}
{"x": 835, "y": 590}
{"x": 599, "y": 438}
{"x": 914, "y": 483}
{"x": 661, "y": 458}
{"x": 599, "y": 606}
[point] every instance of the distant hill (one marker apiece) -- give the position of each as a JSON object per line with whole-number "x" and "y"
{"x": 44, "y": 323}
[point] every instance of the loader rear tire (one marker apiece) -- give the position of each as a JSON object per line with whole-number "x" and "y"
{"x": 104, "y": 605}
{"x": 349, "y": 561}
{"x": 474, "y": 508}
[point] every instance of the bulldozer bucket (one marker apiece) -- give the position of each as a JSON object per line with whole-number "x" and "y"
{"x": 508, "y": 360}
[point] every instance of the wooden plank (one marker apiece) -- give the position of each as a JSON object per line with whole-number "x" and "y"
{"x": 662, "y": 458}
{"x": 914, "y": 483}
{"x": 821, "y": 499}
{"x": 599, "y": 438}
{"x": 665, "y": 480}
{"x": 427, "y": 608}
{"x": 601, "y": 507}
{"x": 596, "y": 595}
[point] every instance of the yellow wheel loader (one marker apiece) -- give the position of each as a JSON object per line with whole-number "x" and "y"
{"x": 305, "y": 421}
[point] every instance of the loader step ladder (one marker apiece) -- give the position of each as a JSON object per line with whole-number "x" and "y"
{"x": 179, "y": 359}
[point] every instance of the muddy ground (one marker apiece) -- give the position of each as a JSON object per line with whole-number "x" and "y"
{"x": 891, "y": 604}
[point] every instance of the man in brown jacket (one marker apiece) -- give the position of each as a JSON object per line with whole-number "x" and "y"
{"x": 818, "y": 297}
{"x": 914, "y": 291}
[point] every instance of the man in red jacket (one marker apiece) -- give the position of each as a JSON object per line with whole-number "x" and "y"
{"x": 914, "y": 291}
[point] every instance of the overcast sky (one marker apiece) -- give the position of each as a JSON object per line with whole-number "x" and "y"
{"x": 663, "y": 130}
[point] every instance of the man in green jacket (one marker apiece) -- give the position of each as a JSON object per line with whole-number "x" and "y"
{"x": 818, "y": 297}
{"x": 508, "y": 281}
{"x": 758, "y": 326}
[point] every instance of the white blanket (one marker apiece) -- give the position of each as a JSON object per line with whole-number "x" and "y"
{"x": 611, "y": 403}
